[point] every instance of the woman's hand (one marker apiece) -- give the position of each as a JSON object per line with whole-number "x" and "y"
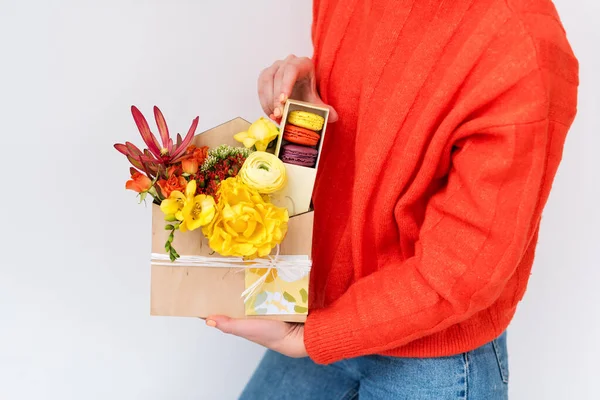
{"x": 293, "y": 77}
{"x": 285, "y": 338}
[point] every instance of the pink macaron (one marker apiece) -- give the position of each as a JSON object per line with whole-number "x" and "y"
{"x": 299, "y": 155}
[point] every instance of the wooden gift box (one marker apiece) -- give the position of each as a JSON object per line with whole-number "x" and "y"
{"x": 196, "y": 291}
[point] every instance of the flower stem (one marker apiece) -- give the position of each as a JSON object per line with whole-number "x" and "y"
{"x": 173, "y": 255}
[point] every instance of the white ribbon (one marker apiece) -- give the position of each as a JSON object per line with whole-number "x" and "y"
{"x": 286, "y": 265}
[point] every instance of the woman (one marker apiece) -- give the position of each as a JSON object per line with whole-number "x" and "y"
{"x": 451, "y": 118}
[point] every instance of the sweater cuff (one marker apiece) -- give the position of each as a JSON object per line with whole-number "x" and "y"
{"x": 327, "y": 337}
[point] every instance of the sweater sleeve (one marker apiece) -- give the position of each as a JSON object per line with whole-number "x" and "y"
{"x": 475, "y": 231}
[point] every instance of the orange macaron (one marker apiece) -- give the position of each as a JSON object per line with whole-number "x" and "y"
{"x": 302, "y": 136}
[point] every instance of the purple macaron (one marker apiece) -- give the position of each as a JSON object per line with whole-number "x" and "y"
{"x": 299, "y": 155}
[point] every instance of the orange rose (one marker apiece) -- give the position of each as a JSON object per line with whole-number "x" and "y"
{"x": 174, "y": 170}
{"x": 197, "y": 153}
{"x": 173, "y": 183}
{"x": 138, "y": 182}
{"x": 189, "y": 165}
{"x": 201, "y": 154}
{"x": 194, "y": 158}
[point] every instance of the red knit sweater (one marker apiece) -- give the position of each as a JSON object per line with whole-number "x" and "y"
{"x": 453, "y": 115}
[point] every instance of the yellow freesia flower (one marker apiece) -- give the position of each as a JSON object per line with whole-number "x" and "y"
{"x": 173, "y": 205}
{"x": 197, "y": 212}
{"x": 263, "y": 172}
{"x": 259, "y": 134}
{"x": 245, "y": 225}
{"x": 193, "y": 211}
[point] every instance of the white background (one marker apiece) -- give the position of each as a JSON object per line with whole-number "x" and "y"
{"x": 74, "y": 277}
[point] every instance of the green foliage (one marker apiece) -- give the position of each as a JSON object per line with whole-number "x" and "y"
{"x": 222, "y": 152}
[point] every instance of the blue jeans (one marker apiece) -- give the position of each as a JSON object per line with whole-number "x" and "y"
{"x": 480, "y": 374}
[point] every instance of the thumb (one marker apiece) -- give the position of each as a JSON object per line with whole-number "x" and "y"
{"x": 333, "y": 115}
{"x": 248, "y": 328}
{"x": 316, "y": 99}
{"x": 224, "y": 324}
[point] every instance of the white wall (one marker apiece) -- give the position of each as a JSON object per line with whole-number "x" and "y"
{"x": 554, "y": 340}
{"x": 76, "y": 326}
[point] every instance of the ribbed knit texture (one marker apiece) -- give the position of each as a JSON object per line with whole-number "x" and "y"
{"x": 453, "y": 115}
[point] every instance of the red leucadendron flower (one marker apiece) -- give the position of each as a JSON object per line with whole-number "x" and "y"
{"x": 158, "y": 155}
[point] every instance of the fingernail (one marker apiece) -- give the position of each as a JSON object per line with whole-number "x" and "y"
{"x": 277, "y": 113}
{"x": 211, "y": 323}
{"x": 282, "y": 98}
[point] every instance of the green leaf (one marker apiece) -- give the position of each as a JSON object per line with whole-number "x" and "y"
{"x": 153, "y": 191}
{"x": 169, "y": 227}
{"x": 300, "y": 309}
{"x": 304, "y": 295}
{"x": 143, "y": 196}
{"x": 289, "y": 297}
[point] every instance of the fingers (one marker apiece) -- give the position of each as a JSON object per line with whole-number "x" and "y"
{"x": 260, "y": 331}
{"x": 228, "y": 325}
{"x": 280, "y": 336}
{"x": 280, "y": 95}
{"x": 276, "y": 83}
{"x": 296, "y": 69}
{"x": 265, "y": 87}
{"x": 277, "y": 95}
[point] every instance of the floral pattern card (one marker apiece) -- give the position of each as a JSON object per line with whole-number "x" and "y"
{"x": 284, "y": 292}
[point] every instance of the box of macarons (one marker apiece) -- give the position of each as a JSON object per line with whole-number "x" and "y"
{"x": 303, "y": 128}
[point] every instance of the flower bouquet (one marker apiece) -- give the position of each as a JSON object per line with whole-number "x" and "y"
{"x": 219, "y": 243}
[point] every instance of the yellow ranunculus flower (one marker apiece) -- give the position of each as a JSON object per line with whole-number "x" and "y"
{"x": 192, "y": 210}
{"x": 259, "y": 134}
{"x": 245, "y": 225}
{"x": 263, "y": 172}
